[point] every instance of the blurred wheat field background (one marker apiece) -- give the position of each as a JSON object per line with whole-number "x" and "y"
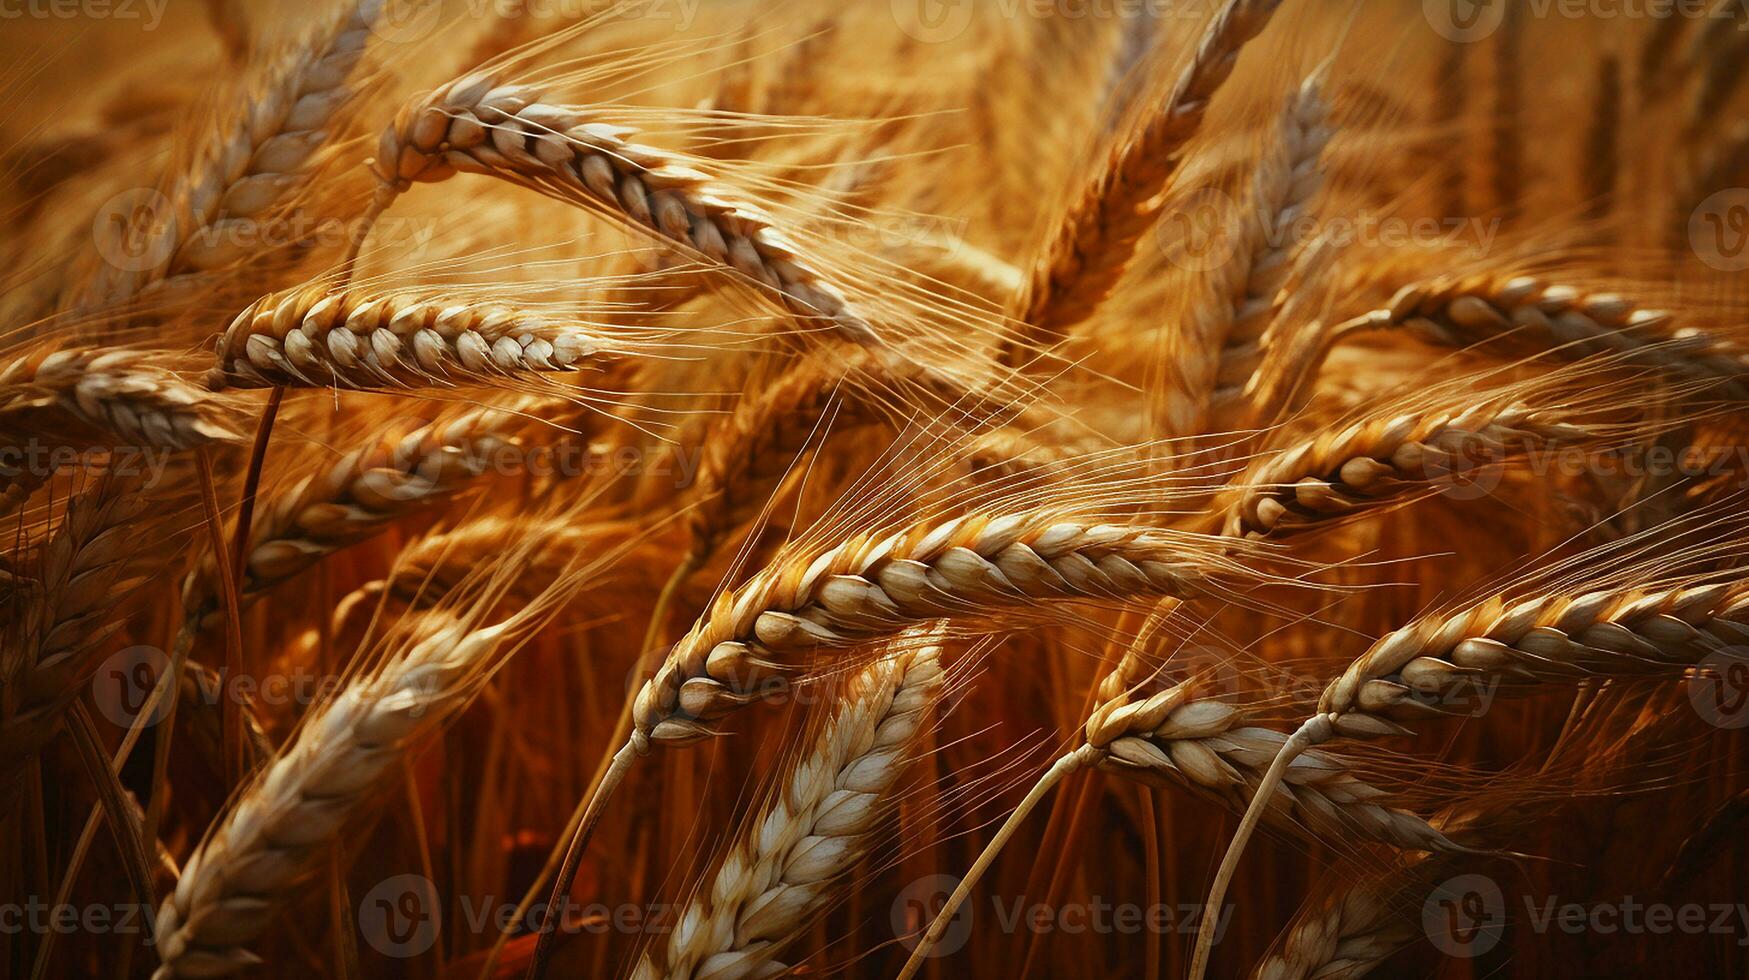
{"x": 718, "y": 489}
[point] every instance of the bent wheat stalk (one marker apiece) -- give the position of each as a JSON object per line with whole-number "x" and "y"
{"x": 1562, "y": 320}
{"x": 61, "y": 626}
{"x": 780, "y": 873}
{"x": 1231, "y": 344}
{"x": 1547, "y": 639}
{"x": 1387, "y": 457}
{"x": 479, "y": 125}
{"x": 872, "y": 587}
{"x": 1177, "y": 738}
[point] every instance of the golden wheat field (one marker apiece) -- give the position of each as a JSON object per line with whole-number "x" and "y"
{"x": 718, "y": 489}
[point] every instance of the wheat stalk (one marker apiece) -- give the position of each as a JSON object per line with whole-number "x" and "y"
{"x": 1178, "y": 738}
{"x": 280, "y": 829}
{"x": 1626, "y": 631}
{"x": 1630, "y": 631}
{"x": 479, "y": 125}
{"x": 780, "y": 874}
{"x": 747, "y": 646}
{"x": 1096, "y": 238}
{"x": 320, "y": 337}
{"x": 264, "y": 156}
{"x": 1353, "y": 929}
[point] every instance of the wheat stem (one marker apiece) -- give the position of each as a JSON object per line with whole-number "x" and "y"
{"x": 1060, "y": 769}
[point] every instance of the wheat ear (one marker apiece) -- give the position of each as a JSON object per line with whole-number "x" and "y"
{"x": 319, "y": 336}
{"x": 1353, "y": 929}
{"x": 1386, "y": 457}
{"x": 872, "y": 587}
{"x": 262, "y": 158}
{"x": 135, "y": 395}
{"x": 1097, "y": 238}
{"x": 88, "y": 562}
{"x": 1283, "y": 191}
{"x": 280, "y": 829}
{"x": 278, "y": 832}
{"x": 1545, "y": 639}
{"x": 390, "y": 476}
{"x": 780, "y": 873}
{"x": 1562, "y": 320}
{"x": 478, "y": 125}
{"x": 1177, "y": 738}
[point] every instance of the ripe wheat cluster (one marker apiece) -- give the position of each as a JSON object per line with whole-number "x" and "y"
{"x": 739, "y": 489}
